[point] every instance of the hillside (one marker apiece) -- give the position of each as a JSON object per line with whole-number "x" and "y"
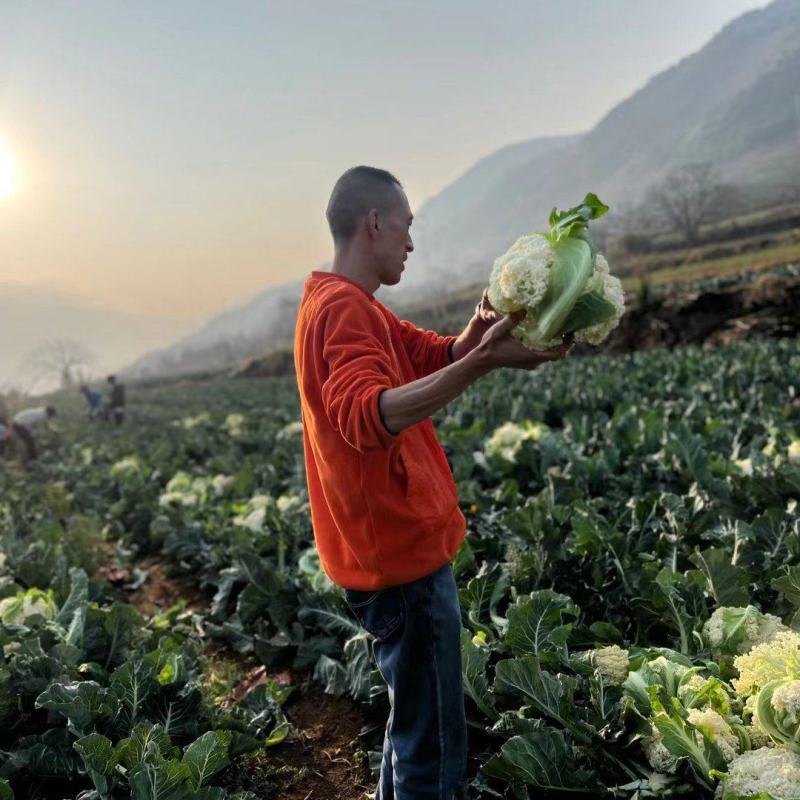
{"x": 734, "y": 103}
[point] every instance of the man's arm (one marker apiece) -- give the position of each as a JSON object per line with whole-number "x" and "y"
{"x": 414, "y": 402}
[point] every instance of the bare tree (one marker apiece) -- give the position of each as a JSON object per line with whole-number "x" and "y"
{"x": 690, "y": 196}
{"x": 62, "y": 359}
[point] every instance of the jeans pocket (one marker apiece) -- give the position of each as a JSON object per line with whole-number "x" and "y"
{"x": 381, "y": 613}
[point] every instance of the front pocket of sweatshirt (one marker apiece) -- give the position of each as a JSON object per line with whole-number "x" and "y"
{"x": 430, "y": 493}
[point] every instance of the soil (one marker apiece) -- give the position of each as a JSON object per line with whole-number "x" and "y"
{"x": 319, "y": 759}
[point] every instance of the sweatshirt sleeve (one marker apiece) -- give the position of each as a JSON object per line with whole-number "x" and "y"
{"x": 427, "y": 350}
{"x": 359, "y": 369}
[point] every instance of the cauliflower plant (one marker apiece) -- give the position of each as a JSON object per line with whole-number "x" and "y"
{"x": 737, "y": 630}
{"x": 560, "y": 280}
{"x": 659, "y": 758}
{"x": 718, "y": 729}
{"x": 506, "y": 440}
{"x": 771, "y": 770}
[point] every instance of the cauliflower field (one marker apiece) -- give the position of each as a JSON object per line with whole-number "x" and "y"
{"x": 630, "y": 585}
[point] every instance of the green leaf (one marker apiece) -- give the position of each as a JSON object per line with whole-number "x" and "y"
{"x": 727, "y": 584}
{"x": 100, "y": 759}
{"x": 50, "y": 754}
{"x": 684, "y": 740}
{"x": 78, "y": 597}
{"x": 551, "y": 695}
{"x": 6, "y": 792}
{"x": 144, "y": 738}
{"x": 482, "y": 595}
{"x": 473, "y": 659}
{"x": 166, "y": 780}
{"x": 331, "y": 674}
{"x": 542, "y": 759}
{"x": 571, "y": 270}
{"x": 207, "y": 755}
{"x": 81, "y": 702}
{"x": 789, "y": 585}
{"x": 540, "y": 623}
{"x": 134, "y": 682}
{"x": 591, "y": 308}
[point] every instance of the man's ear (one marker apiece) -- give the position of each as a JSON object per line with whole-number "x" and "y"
{"x": 373, "y": 222}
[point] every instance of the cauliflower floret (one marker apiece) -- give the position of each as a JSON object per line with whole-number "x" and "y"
{"x": 786, "y": 701}
{"x": 234, "y": 424}
{"x": 777, "y": 658}
{"x": 519, "y": 277}
{"x": 740, "y": 628}
{"x": 612, "y": 662}
{"x": 715, "y": 724}
{"x": 775, "y": 770}
{"x": 508, "y": 438}
{"x": 794, "y": 451}
{"x": 660, "y": 759}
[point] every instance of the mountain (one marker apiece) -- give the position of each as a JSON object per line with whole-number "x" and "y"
{"x": 30, "y": 317}
{"x": 735, "y": 103}
{"x": 264, "y": 323}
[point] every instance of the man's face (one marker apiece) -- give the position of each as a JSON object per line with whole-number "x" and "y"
{"x": 394, "y": 242}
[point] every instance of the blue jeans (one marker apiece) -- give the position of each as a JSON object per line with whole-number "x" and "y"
{"x": 417, "y": 647}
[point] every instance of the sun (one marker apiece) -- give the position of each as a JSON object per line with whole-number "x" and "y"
{"x": 8, "y": 174}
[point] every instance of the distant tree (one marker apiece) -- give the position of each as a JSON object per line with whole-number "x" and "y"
{"x": 691, "y": 196}
{"x": 62, "y": 359}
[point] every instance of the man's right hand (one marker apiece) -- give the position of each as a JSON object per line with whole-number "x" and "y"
{"x": 499, "y": 349}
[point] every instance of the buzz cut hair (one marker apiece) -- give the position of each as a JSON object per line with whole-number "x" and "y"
{"x": 358, "y": 191}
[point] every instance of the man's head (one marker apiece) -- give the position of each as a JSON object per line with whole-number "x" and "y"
{"x": 112, "y": 379}
{"x": 49, "y": 411}
{"x": 368, "y": 212}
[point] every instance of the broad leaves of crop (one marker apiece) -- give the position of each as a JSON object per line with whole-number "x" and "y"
{"x": 100, "y": 758}
{"x": 206, "y": 756}
{"x": 81, "y": 702}
{"x": 590, "y": 309}
{"x": 50, "y": 754}
{"x": 144, "y": 738}
{"x": 789, "y": 585}
{"x": 482, "y": 595}
{"x": 540, "y": 624}
{"x": 541, "y": 758}
{"x": 476, "y": 685}
{"x": 727, "y": 583}
{"x": 551, "y": 695}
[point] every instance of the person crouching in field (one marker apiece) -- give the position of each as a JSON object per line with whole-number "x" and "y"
{"x": 94, "y": 400}
{"x": 23, "y": 424}
{"x": 384, "y": 504}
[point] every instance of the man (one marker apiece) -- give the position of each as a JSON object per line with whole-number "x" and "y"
{"x": 116, "y": 400}
{"x": 94, "y": 399}
{"x": 383, "y": 501}
{"x": 23, "y": 423}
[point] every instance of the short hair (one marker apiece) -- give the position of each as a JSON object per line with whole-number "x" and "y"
{"x": 50, "y": 411}
{"x": 111, "y": 378}
{"x": 354, "y": 194}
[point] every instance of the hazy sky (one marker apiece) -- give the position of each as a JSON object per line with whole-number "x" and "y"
{"x": 175, "y": 157}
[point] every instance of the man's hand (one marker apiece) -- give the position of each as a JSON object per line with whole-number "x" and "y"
{"x": 485, "y": 312}
{"x": 500, "y": 349}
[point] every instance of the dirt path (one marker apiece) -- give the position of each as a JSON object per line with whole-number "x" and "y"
{"x": 317, "y": 760}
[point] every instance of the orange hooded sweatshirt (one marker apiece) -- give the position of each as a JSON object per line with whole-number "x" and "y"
{"x": 384, "y": 507}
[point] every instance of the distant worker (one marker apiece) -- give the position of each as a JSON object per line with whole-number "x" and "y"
{"x": 116, "y": 400}
{"x": 94, "y": 399}
{"x": 23, "y": 423}
{"x": 5, "y": 437}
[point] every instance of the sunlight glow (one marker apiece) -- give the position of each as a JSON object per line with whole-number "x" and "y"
{"x": 8, "y": 177}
